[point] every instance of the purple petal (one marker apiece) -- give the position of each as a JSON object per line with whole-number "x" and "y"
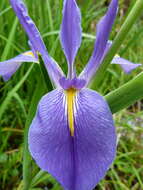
{"x": 126, "y": 65}
{"x": 65, "y": 83}
{"x": 28, "y": 24}
{"x": 54, "y": 71}
{"x": 72, "y": 83}
{"x": 36, "y": 41}
{"x": 33, "y": 50}
{"x": 103, "y": 31}
{"x": 79, "y": 161}
{"x": 78, "y": 83}
{"x": 9, "y": 67}
{"x": 71, "y": 31}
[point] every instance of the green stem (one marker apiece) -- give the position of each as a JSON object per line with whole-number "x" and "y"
{"x": 40, "y": 177}
{"x": 126, "y": 95}
{"x": 131, "y": 19}
{"x": 45, "y": 75}
{"x": 50, "y": 18}
{"x": 5, "y": 103}
{"x": 10, "y": 39}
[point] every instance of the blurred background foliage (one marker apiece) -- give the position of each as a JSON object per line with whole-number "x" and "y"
{"x": 127, "y": 170}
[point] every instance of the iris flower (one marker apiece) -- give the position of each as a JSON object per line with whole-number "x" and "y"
{"x": 72, "y": 135}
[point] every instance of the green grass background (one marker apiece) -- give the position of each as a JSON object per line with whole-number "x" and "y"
{"x": 127, "y": 171}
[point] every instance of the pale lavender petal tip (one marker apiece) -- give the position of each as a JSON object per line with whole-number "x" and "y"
{"x": 9, "y": 67}
{"x": 71, "y": 31}
{"x": 81, "y": 161}
{"x": 126, "y": 65}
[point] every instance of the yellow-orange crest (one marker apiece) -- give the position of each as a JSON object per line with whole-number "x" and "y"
{"x": 70, "y": 94}
{"x": 29, "y": 53}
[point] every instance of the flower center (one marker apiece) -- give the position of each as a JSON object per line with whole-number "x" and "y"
{"x": 75, "y": 83}
{"x": 70, "y": 94}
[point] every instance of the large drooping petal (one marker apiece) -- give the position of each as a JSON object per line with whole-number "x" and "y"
{"x": 9, "y": 67}
{"x": 126, "y": 65}
{"x": 79, "y": 161}
{"x": 36, "y": 40}
{"x": 103, "y": 31}
{"x": 71, "y": 32}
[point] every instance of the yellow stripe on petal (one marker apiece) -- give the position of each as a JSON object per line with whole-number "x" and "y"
{"x": 117, "y": 55}
{"x": 29, "y": 53}
{"x": 70, "y": 108}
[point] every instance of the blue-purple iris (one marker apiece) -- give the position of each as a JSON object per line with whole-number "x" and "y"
{"x": 72, "y": 135}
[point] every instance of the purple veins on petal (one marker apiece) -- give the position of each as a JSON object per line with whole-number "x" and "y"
{"x": 71, "y": 31}
{"x": 79, "y": 161}
{"x": 9, "y": 67}
{"x": 103, "y": 31}
{"x": 126, "y": 65}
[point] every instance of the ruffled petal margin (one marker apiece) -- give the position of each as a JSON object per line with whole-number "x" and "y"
{"x": 9, "y": 67}
{"x": 79, "y": 161}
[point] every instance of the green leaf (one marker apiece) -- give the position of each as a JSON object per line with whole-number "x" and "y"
{"x": 126, "y": 95}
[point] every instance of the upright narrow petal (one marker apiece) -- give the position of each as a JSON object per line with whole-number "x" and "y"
{"x": 28, "y": 24}
{"x": 9, "y": 67}
{"x": 71, "y": 31}
{"x": 54, "y": 71}
{"x": 36, "y": 40}
{"x": 78, "y": 155}
{"x": 33, "y": 49}
{"x": 126, "y": 65}
{"x": 103, "y": 31}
